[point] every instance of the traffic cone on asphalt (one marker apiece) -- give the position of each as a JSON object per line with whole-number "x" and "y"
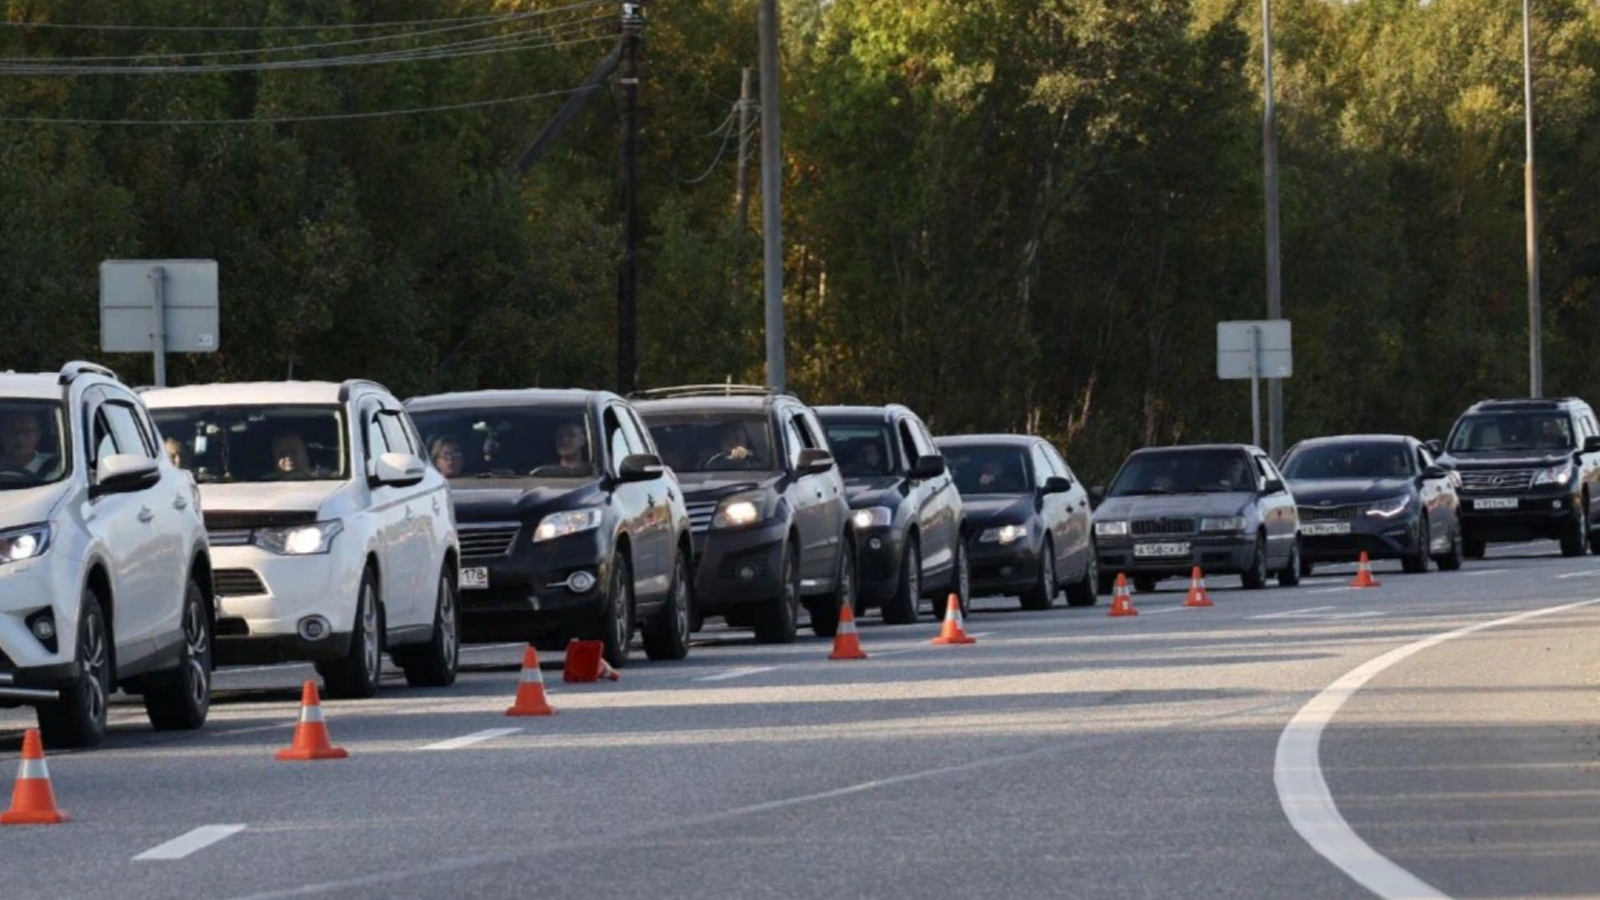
{"x": 530, "y": 688}
{"x": 955, "y": 630}
{"x": 311, "y": 735}
{"x": 846, "y": 641}
{"x": 1197, "y": 590}
{"x": 586, "y": 661}
{"x": 1364, "y": 577}
{"x": 33, "y": 802}
{"x": 1121, "y": 599}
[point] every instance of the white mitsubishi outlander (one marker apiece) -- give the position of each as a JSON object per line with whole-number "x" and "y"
{"x": 334, "y": 539}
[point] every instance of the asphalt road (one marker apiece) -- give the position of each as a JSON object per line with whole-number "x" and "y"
{"x": 1066, "y": 754}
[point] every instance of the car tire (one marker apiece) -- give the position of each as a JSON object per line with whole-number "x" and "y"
{"x": 1452, "y": 560}
{"x": 356, "y": 675}
{"x": 825, "y": 613}
{"x": 961, "y": 577}
{"x": 1306, "y": 567}
{"x": 902, "y": 608}
{"x": 78, "y": 718}
{"x": 1417, "y": 563}
{"x": 1289, "y": 575}
{"x": 1575, "y": 536}
{"x": 436, "y": 663}
{"x": 666, "y": 637}
{"x": 776, "y": 622}
{"x": 1084, "y": 591}
{"x": 1472, "y": 548}
{"x": 1255, "y": 578}
{"x": 181, "y": 700}
{"x": 616, "y": 618}
{"x": 1145, "y": 584}
{"x": 1043, "y": 594}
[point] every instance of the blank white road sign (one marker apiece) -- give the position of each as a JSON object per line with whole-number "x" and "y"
{"x": 1241, "y": 346}
{"x": 128, "y": 302}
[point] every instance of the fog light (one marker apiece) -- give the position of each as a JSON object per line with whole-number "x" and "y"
{"x": 1555, "y": 504}
{"x": 875, "y": 543}
{"x": 747, "y": 573}
{"x": 580, "y": 582}
{"x": 314, "y": 628}
{"x": 44, "y": 628}
{"x": 1006, "y": 571}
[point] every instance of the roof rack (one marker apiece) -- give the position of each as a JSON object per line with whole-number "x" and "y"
{"x": 348, "y": 386}
{"x": 73, "y": 369}
{"x": 1526, "y": 403}
{"x": 708, "y": 390}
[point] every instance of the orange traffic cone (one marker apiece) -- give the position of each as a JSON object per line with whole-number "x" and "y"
{"x": 586, "y": 662}
{"x": 1122, "y": 600}
{"x": 1197, "y": 590}
{"x": 954, "y": 631}
{"x": 1364, "y": 577}
{"x": 311, "y": 735}
{"x": 847, "y": 641}
{"x": 530, "y": 689}
{"x": 33, "y": 802}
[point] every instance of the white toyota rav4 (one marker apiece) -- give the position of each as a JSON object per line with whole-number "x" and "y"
{"x": 334, "y": 539}
{"x": 105, "y": 580}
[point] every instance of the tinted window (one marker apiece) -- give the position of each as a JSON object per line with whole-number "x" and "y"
{"x": 1041, "y": 466}
{"x": 989, "y": 470}
{"x": 713, "y": 441}
{"x": 31, "y": 443}
{"x": 862, "y": 449}
{"x": 125, "y": 430}
{"x": 1185, "y": 472}
{"x": 258, "y": 443}
{"x": 1512, "y": 431}
{"x": 616, "y": 437}
{"x": 509, "y": 442}
{"x": 394, "y": 433}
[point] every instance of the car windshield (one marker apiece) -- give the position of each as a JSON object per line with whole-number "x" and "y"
{"x": 719, "y": 441}
{"x": 863, "y": 449}
{"x": 1368, "y": 459}
{"x": 988, "y": 470}
{"x": 1218, "y": 471}
{"x": 249, "y": 444}
{"x": 31, "y": 444}
{"x": 1512, "y": 431}
{"x": 509, "y": 442}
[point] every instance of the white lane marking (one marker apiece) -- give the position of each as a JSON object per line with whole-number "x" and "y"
{"x": 1303, "y": 791}
{"x": 1337, "y": 590}
{"x": 1165, "y": 609}
{"x": 1587, "y": 573}
{"x": 477, "y": 737}
{"x": 1294, "y": 612}
{"x": 737, "y": 673}
{"x": 196, "y": 840}
{"x": 1486, "y": 572}
{"x": 280, "y": 667}
{"x": 979, "y": 634}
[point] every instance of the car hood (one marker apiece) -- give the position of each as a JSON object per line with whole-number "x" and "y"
{"x": 29, "y": 506}
{"x": 879, "y": 490}
{"x": 716, "y": 485}
{"x": 1507, "y": 459}
{"x": 502, "y": 499}
{"x": 1160, "y": 506}
{"x": 987, "y": 509}
{"x": 276, "y": 496}
{"x": 1341, "y": 491}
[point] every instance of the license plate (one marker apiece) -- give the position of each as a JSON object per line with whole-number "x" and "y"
{"x": 475, "y": 579}
{"x": 1322, "y": 528}
{"x": 1495, "y": 503}
{"x": 1147, "y": 550}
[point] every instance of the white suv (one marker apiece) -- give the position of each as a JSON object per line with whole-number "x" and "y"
{"x": 105, "y": 579}
{"x": 334, "y": 539}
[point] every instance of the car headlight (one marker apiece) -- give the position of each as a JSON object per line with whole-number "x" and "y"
{"x": 873, "y": 517}
{"x": 1557, "y": 475}
{"x": 19, "y": 544}
{"x": 1223, "y": 523}
{"x": 1003, "y": 534}
{"x": 562, "y": 524}
{"x": 1388, "y": 509}
{"x": 300, "y": 540}
{"x": 1111, "y": 529}
{"x": 736, "y": 513}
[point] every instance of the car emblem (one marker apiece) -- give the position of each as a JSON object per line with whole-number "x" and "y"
{"x": 1498, "y": 479}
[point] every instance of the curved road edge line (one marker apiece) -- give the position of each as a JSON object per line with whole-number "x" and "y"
{"x": 1303, "y": 792}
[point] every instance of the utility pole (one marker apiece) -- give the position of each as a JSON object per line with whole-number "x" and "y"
{"x": 1535, "y": 325}
{"x": 628, "y": 271}
{"x": 1269, "y": 143}
{"x": 741, "y": 190}
{"x": 771, "y": 194}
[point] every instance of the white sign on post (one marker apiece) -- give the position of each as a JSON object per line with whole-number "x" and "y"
{"x": 1255, "y": 350}
{"x": 159, "y": 307}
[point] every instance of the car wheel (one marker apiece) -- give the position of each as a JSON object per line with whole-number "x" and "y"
{"x": 1083, "y": 591}
{"x": 435, "y": 663}
{"x": 1451, "y": 561}
{"x": 1255, "y": 578}
{"x": 616, "y": 619}
{"x": 1417, "y": 563}
{"x": 78, "y": 718}
{"x": 181, "y": 701}
{"x": 775, "y": 623}
{"x": 961, "y": 579}
{"x": 1289, "y": 575}
{"x": 356, "y": 675}
{"x": 1473, "y": 548}
{"x": 1306, "y": 567}
{"x": 902, "y": 607}
{"x": 1043, "y": 594}
{"x": 667, "y": 635}
{"x": 825, "y": 613}
{"x": 1575, "y": 536}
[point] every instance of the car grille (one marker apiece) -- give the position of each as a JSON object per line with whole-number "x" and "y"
{"x": 700, "y": 513}
{"x": 1146, "y": 527}
{"x": 229, "y": 537}
{"x": 487, "y": 541}
{"x": 237, "y": 583}
{"x": 1498, "y": 480}
{"x": 1330, "y": 513}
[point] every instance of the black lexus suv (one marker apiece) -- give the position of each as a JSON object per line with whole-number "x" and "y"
{"x": 570, "y": 525}
{"x": 1529, "y": 469}
{"x": 771, "y": 523}
{"x": 909, "y": 526}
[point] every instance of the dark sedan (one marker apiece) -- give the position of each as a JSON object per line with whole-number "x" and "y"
{"x": 1379, "y": 494}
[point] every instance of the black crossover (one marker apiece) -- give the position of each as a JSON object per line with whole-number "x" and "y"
{"x": 570, "y": 526}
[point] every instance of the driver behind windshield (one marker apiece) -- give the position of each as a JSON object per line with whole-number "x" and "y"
{"x": 20, "y": 434}
{"x": 572, "y": 446}
{"x": 733, "y": 446}
{"x": 289, "y": 454}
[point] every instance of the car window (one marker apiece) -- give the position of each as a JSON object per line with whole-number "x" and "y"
{"x": 863, "y": 448}
{"x": 810, "y": 431}
{"x": 924, "y": 439}
{"x": 1059, "y": 464}
{"x": 503, "y": 441}
{"x": 1512, "y": 431}
{"x": 394, "y": 433}
{"x": 793, "y": 442}
{"x": 1185, "y": 470}
{"x": 1041, "y": 466}
{"x": 908, "y": 443}
{"x": 124, "y": 423}
{"x": 32, "y": 443}
{"x": 616, "y": 437}
{"x": 638, "y": 435}
{"x": 377, "y": 441}
{"x": 717, "y": 440}
{"x": 103, "y": 443}
{"x": 1356, "y": 459}
{"x": 988, "y": 470}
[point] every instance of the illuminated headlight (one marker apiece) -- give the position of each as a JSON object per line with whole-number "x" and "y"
{"x": 1557, "y": 475}
{"x": 301, "y": 540}
{"x": 873, "y": 517}
{"x": 1111, "y": 529}
{"x": 1005, "y": 534}
{"x": 562, "y": 524}
{"x": 24, "y": 543}
{"x": 736, "y": 514}
{"x": 1223, "y": 523}
{"x": 1388, "y": 509}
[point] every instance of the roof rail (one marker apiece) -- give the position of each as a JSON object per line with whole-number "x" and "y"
{"x": 347, "y": 387}
{"x": 708, "y": 390}
{"x": 73, "y": 369}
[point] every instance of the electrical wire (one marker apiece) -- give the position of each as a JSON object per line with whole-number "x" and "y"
{"x": 265, "y": 29}
{"x": 744, "y": 134}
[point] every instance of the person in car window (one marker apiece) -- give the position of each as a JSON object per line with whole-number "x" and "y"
{"x": 871, "y": 459}
{"x": 176, "y": 452}
{"x": 572, "y": 447}
{"x": 733, "y": 442}
{"x": 993, "y": 474}
{"x": 289, "y": 454}
{"x": 20, "y": 433}
{"x": 447, "y": 456}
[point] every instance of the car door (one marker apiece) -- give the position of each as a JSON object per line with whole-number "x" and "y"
{"x": 635, "y": 503}
{"x": 435, "y": 492}
{"x": 171, "y": 499}
{"x": 1078, "y": 515}
{"x": 418, "y": 564}
{"x": 386, "y": 518}
{"x": 1589, "y": 463}
{"x": 128, "y": 527}
{"x": 920, "y": 495}
{"x": 663, "y": 500}
{"x": 813, "y": 514}
{"x": 1052, "y": 507}
{"x": 1277, "y": 511}
{"x": 946, "y": 501}
{"x": 1438, "y": 496}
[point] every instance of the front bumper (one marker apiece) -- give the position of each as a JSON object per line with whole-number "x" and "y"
{"x": 879, "y": 552}
{"x": 1002, "y": 569}
{"x": 1378, "y": 538}
{"x": 1223, "y": 554}
{"x": 739, "y": 566}
{"x": 527, "y": 596}
{"x": 1538, "y": 514}
{"x": 29, "y": 671}
{"x": 263, "y": 597}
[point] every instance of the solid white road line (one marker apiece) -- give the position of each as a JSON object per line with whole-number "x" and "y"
{"x": 736, "y": 673}
{"x": 1587, "y": 573}
{"x": 1289, "y": 614}
{"x": 1303, "y": 791}
{"x": 1486, "y": 572}
{"x": 1337, "y": 590}
{"x": 182, "y": 846}
{"x": 1164, "y": 609}
{"x": 477, "y": 737}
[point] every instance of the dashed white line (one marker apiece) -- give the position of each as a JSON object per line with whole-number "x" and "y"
{"x": 1587, "y": 573}
{"x": 1289, "y": 614}
{"x": 1475, "y": 574}
{"x": 477, "y": 737}
{"x": 1164, "y": 609}
{"x": 736, "y": 673}
{"x": 1337, "y": 590}
{"x": 184, "y": 845}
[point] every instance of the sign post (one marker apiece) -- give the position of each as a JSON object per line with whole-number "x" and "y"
{"x": 1255, "y": 350}
{"x": 159, "y": 307}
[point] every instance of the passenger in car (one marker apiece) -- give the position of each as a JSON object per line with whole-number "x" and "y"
{"x": 447, "y": 456}
{"x": 572, "y": 446}
{"x": 289, "y": 454}
{"x": 871, "y": 459}
{"x": 20, "y": 433}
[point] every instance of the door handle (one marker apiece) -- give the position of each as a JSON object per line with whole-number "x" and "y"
{"x": 819, "y": 495}
{"x": 145, "y": 515}
{"x": 436, "y": 506}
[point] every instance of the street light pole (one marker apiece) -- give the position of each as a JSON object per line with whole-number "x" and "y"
{"x": 1531, "y": 206}
{"x": 1269, "y": 142}
{"x": 771, "y": 195}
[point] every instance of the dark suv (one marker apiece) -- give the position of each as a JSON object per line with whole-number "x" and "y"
{"x": 767, "y": 503}
{"x": 1529, "y": 469}
{"x": 907, "y": 513}
{"x": 570, "y": 526}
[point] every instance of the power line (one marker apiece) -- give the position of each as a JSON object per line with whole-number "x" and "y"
{"x": 220, "y": 29}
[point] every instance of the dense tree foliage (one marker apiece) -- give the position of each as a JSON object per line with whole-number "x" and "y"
{"x": 1010, "y": 214}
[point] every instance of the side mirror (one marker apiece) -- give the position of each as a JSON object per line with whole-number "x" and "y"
{"x": 1435, "y": 446}
{"x": 640, "y": 467}
{"x": 1591, "y": 444}
{"x": 1435, "y": 473}
{"x": 927, "y": 467}
{"x": 1056, "y": 484}
{"x": 122, "y": 473}
{"x": 1097, "y": 494}
{"x": 1274, "y": 486}
{"x": 815, "y": 462}
{"x": 398, "y": 470}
